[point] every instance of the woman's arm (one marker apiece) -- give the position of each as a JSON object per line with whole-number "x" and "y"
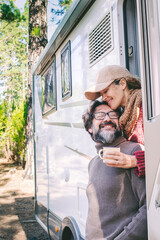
{"x": 122, "y": 160}
{"x": 140, "y": 169}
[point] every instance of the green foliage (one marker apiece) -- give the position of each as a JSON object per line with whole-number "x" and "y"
{"x": 36, "y": 32}
{"x": 3, "y": 117}
{"x": 65, "y": 3}
{"x": 9, "y": 12}
{"x": 12, "y": 130}
{"x": 13, "y": 73}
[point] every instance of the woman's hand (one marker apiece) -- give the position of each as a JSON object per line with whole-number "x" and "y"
{"x": 120, "y": 160}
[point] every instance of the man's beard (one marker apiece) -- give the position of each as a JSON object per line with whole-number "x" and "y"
{"x": 106, "y": 136}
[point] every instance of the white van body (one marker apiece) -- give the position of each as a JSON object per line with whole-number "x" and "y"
{"x": 93, "y": 34}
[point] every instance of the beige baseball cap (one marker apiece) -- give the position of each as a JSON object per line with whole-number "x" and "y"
{"x": 104, "y": 78}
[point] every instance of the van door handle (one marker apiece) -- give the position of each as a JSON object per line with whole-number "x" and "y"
{"x": 157, "y": 200}
{"x": 130, "y": 51}
{"x": 66, "y": 174}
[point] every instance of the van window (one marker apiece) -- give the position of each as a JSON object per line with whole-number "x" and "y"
{"x": 48, "y": 83}
{"x": 66, "y": 76}
{"x": 131, "y": 37}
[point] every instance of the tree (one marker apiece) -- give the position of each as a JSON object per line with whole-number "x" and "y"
{"x": 13, "y": 72}
{"x": 9, "y": 13}
{"x": 13, "y": 76}
{"x": 37, "y": 42}
{"x": 13, "y": 59}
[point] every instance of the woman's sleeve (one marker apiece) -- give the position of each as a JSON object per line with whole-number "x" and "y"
{"x": 140, "y": 169}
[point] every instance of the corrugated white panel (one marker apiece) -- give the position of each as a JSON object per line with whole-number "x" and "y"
{"x": 100, "y": 39}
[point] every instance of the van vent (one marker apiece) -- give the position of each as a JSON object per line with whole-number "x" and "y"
{"x": 100, "y": 39}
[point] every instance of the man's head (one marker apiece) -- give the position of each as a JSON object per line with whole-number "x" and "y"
{"x": 101, "y": 122}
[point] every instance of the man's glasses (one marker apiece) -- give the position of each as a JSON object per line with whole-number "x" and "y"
{"x": 101, "y": 115}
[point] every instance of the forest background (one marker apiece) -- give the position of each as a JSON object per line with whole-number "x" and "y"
{"x": 23, "y": 36}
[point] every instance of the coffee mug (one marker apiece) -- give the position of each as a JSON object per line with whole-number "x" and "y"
{"x": 106, "y": 150}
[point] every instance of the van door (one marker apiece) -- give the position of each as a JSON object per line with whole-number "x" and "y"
{"x": 150, "y": 52}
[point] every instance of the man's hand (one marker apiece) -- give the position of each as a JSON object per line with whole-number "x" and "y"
{"x": 120, "y": 160}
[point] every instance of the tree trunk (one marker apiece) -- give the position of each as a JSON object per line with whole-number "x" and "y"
{"x": 37, "y": 19}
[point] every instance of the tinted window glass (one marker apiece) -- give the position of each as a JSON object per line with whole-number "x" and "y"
{"x": 66, "y": 71}
{"x": 48, "y": 81}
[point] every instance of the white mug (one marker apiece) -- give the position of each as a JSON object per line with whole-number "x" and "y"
{"x": 106, "y": 150}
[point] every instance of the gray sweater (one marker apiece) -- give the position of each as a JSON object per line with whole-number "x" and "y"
{"x": 116, "y": 199}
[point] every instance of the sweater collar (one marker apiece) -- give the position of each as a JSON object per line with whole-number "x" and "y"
{"x": 115, "y": 143}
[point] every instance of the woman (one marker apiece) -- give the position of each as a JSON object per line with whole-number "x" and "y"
{"x": 119, "y": 88}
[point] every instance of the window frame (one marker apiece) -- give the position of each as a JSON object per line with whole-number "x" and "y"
{"x": 53, "y": 107}
{"x": 66, "y": 51}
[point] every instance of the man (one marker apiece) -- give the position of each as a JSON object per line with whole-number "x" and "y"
{"x": 116, "y": 196}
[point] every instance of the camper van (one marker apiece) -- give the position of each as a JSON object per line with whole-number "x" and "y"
{"x": 92, "y": 34}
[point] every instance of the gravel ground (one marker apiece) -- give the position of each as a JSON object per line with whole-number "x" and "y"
{"x": 17, "y": 205}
